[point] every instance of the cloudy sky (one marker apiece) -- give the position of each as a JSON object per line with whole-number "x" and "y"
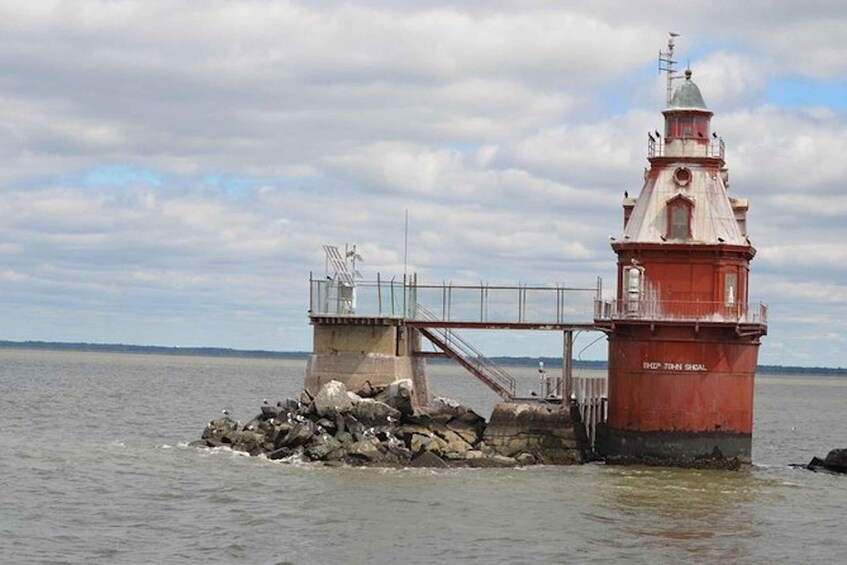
{"x": 170, "y": 169}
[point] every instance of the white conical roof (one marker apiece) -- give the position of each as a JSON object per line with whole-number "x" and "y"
{"x": 712, "y": 220}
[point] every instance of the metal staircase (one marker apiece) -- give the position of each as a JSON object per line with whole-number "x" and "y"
{"x": 468, "y": 357}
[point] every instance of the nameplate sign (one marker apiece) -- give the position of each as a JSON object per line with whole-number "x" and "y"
{"x": 662, "y": 366}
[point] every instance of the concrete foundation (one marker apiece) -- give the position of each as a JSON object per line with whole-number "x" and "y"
{"x": 356, "y": 351}
{"x": 711, "y": 450}
{"x": 547, "y": 431}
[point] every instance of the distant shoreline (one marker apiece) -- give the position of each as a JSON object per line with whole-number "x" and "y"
{"x": 550, "y": 362}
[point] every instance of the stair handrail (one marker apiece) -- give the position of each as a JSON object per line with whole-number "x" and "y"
{"x": 470, "y": 353}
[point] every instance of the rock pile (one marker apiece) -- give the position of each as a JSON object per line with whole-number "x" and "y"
{"x": 835, "y": 462}
{"x": 371, "y": 426}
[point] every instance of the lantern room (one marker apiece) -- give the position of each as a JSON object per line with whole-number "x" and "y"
{"x": 687, "y": 116}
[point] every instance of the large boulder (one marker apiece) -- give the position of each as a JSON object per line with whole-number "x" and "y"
{"x": 428, "y": 459}
{"x": 420, "y": 443}
{"x": 454, "y": 443}
{"x": 269, "y": 411}
{"x": 365, "y": 451}
{"x": 836, "y": 460}
{"x": 216, "y": 429}
{"x": 278, "y": 434}
{"x": 332, "y": 399}
{"x": 324, "y": 447}
{"x": 372, "y": 412}
{"x": 399, "y": 395}
{"x": 470, "y": 433}
{"x": 300, "y": 434}
{"x": 247, "y": 441}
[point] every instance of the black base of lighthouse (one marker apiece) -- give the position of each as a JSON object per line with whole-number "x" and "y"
{"x": 708, "y": 450}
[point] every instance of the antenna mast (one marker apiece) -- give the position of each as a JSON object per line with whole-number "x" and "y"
{"x": 666, "y": 64}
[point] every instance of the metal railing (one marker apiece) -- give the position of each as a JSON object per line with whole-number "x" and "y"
{"x": 691, "y": 147}
{"x": 380, "y": 298}
{"x": 673, "y": 310}
{"x": 447, "y": 302}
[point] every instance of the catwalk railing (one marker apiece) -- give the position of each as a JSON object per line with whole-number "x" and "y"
{"x": 686, "y": 147}
{"x": 677, "y": 310}
{"x": 448, "y": 302}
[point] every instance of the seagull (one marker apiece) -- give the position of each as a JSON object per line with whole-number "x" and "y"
{"x": 611, "y": 238}
{"x": 265, "y": 401}
{"x": 225, "y": 412}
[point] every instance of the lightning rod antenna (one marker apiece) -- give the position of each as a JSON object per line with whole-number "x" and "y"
{"x": 667, "y": 64}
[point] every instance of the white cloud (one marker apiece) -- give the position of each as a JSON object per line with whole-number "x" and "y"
{"x": 509, "y": 130}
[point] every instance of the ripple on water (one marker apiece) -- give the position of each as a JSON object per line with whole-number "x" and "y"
{"x": 105, "y": 488}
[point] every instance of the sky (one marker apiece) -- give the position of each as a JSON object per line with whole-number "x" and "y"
{"x": 169, "y": 170}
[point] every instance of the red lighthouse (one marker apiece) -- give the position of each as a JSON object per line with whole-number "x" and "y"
{"x": 683, "y": 338}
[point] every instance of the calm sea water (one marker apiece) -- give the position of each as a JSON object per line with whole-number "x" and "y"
{"x": 95, "y": 469}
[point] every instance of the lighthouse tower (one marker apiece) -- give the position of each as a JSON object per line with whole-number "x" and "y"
{"x": 683, "y": 338}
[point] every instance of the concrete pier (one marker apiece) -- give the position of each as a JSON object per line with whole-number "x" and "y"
{"x": 357, "y": 350}
{"x": 547, "y": 431}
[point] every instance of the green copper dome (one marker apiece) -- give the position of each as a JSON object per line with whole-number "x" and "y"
{"x": 687, "y": 95}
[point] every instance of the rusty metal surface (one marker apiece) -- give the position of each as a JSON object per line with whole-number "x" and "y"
{"x": 673, "y": 379}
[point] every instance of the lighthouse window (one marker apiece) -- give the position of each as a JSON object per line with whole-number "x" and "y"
{"x": 679, "y": 222}
{"x": 682, "y": 176}
{"x": 729, "y": 289}
{"x": 679, "y": 218}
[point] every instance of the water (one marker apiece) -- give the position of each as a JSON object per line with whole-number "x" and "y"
{"x": 95, "y": 469}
